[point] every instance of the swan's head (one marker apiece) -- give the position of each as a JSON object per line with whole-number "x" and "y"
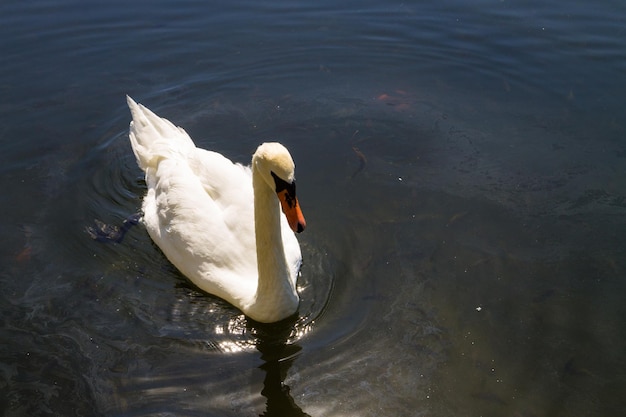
{"x": 275, "y": 165}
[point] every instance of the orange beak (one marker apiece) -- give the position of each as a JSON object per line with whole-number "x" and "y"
{"x": 291, "y": 208}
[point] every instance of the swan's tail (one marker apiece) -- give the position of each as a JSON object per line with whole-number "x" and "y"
{"x": 154, "y": 138}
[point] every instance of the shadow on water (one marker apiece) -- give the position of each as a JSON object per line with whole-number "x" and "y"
{"x": 278, "y": 357}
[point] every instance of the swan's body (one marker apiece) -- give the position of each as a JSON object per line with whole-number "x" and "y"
{"x": 218, "y": 222}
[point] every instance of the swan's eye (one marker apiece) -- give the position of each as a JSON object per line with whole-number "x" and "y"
{"x": 289, "y": 188}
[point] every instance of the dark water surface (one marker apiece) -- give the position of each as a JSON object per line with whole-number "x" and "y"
{"x": 461, "y": 165}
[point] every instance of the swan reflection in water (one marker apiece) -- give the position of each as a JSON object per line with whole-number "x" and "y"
{"x": 278, "y": 355}
{"x": 208, "y": 359}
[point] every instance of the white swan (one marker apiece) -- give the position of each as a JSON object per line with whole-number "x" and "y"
{"x": 218, "y": 222}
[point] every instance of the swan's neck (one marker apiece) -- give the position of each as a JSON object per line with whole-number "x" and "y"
{"x": 275, "y": 296}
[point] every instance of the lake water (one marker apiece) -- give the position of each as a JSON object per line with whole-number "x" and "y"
{"x": 461, "y": 166}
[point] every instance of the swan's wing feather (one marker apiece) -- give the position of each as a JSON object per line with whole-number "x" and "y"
{"x": 153, "y": 137}
{"x": 229, "y": 185}
{"x": 202, "y": 229}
